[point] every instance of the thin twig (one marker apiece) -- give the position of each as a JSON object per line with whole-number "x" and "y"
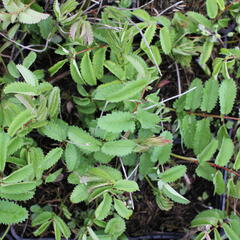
{"x": 178, "y": 79}
{"x": 172, "y": 6}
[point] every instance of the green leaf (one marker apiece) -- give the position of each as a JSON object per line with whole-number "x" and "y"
{"x": 19, "y": 121}
{"x": 200, "y": 19}
{"x": 56, "y": 129}
{"x": 207, "y": 153}
{"x": 18, "y": 196}
{"x": 75, "y": 72}
{"x": 236, "y": 165}
{"x": 210, "y": 95}
{"x": 149, "y": 34}
{"x": 19, "y": 175}
{"x": 54, "y": 102}
{"x": 142, "y": 14}
{"x": 22, "y": 88}
{"x": 172, "y": 174}
{"x": 14, "y": 188}
{"x": 204, "y": 170}
{"x": 57, "y": 66}
{"x": 115, "y": 227}
{"x": 79, "y": 194}
{"x": 28, "y": 76}
{"x": 126, "y": 185}
{"x": 217, "y": 236}
{"x": 225, "y": 152}
{"x": 98, "y": 61}
{"x": 57, "y": 231}
{"x": 12, "y": 69}
{"x": 30, "y": 16}
{"x": 117, "y": 122}
{"x": 72, "y": 156}
{"x": 202, "y": 136}
{"x": 188, "y": 129}
{"x": 148, "y": 120}
{"x": 212, "y": 8}
{"x": 165, "y": 40}
{"x": 221, "y": 4}
{"x": 66, "y": 232}
{"x": 121, "y": 209}
{"x": 29, "y": 60}
{"x": 118, "y": 148}
{"x": 83, "y": 139}
{"x": 200, "y": 236}
{"x": 127, "y": 91}
{"x": 51, "y": 158}
{"x": 92, "y": 234}
{"x": 206, "y": 52}
{"x": 194, "y": 98}
{"x": 42, "y": 228}
{"x": 146, "y": 164}
{"x": 172, "y": 194}
{"x": 115, "y": 69}
{"x": 103, "y": 209}
{"x": 219, "y": 184}
{"x": 227, "y": 95}
{"x": 46, "y": 27}
{"x": 4, "y": 142}
{"x": 229, "y": 232}
{"x": 41, "y": 218}
{"x": 87, "y": 71}
{"x": 12, "y": 213}
{"x": 53, "y": 176}
{"x": 203, "y": 221}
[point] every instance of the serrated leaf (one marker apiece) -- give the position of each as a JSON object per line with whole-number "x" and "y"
{"x": 21, "y": 119}
{"x": 18, "y": 196}
{"x": 30, "y": 16}
{"x": 65, "y": 230}
{"x": 54, "y": 102}
{"x": 188, "y": 128}
{"x": 98, "y": 61}
{"x": 117, "y": 122}
{"x": 57, "y": 66}
{"x": 46, "y": 27}
{"x": 103, "y": 209}
{"x": 41, "y": 218}
{"x": 146, "y": 164}
{"x": 71, "y": 156}
{"x": 115, "y": 227}
{"x": 206, "y": 52}
{"x": 56, "y": 130}
{"x": 121, "y": 209}
{"x": 79, "y": 194}
{"x": 92, "y": 234}
{"x": 51, "y": 158}
{"x": 210, "y": 95}
{"x": 165, "y": 40}
{"x": 212, "y": 8}
{"x": 163, "y": 202}
{"x": 4, "y": 142}
{"x": 83, "y": 140}
{"x": 225, "y": 152}
{"x": 205, "y": 171}
{"x": 172, "y": 174}
{"x": 200, "y": 19}
{"x": 148, "y": 35}
{"x": 221, "y": 4}
{"x": 12, "y": 213}
{"x": 142, "y": 14}
{"x": 118, "y": 148}
{"x": 202, "y": 136}
{"x": 219, "y": 184}
{"x": 227, "y": 95}
{"x": 53, "y": 176}
{"x": 42, "y": 228}
{"x": 12, "y": 69}
{"x": 127, "y": 91}
{"x": 22, "y": 88}
{"x": 14, "y": 188}
{"x": 75, "y": 72}
{"x": 236, "y": 165}
{"x": 174, "y": 195}
{"x": 30, "y": 59}
{"x": 87, "y": 71}
{"x": 194, "y": 98}
{"x": 207, "y": 153}
{"x": 115, "y": 69}
{"x": 28, "y": 76}
{"x": 19, "y": 175}
{"x": 126, "y": 185}
{"x": 148, "y": 120}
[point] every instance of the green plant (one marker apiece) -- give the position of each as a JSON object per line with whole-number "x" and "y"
{"x": 124, "y": 132}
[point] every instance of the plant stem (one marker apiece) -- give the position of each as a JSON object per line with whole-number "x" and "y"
{"x": 149, "y": 182}
{"x": 194, "y": 160}
{"x": 6, "y": 231}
